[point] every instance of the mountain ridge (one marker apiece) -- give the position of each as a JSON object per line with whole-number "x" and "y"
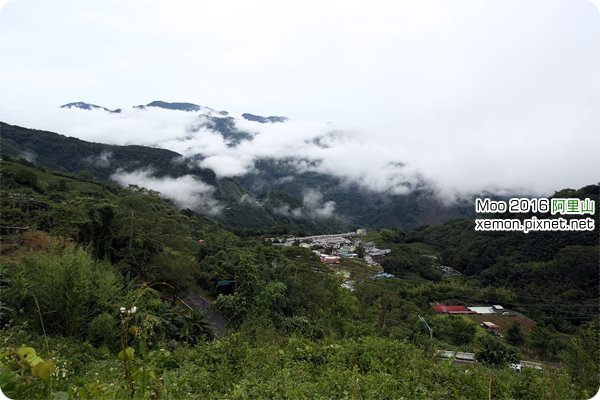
{"x": 88, "y": 106}
{"x": 179, "y": 106}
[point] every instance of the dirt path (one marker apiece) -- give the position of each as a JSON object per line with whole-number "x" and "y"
{"x": 219, "y": 324}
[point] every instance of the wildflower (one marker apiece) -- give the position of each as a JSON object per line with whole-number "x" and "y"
{"x": 122, "y": 309}
{"x": 133, "y": 310}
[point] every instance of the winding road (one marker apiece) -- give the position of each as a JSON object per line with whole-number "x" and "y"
{"x": 218, "y": 323}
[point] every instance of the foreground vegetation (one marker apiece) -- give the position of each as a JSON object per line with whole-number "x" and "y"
{"x": 91, "y": 309}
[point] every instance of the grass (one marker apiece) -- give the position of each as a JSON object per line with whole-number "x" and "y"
{"x": 30, "y": 241}
{"x": 421, "y": 248}
{"x": 357, "y": 268}
{"x": 504, "y": 321}
{"x": 370, "y": 236}
{"x": 47, "y": 178}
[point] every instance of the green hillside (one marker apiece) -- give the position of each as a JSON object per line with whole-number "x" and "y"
{"x": 104, "y": 296}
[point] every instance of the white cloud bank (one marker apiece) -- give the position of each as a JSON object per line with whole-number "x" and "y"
{"x": 535, "y": 153}
{"x": 102, "y": 160}
{"x": 313, "y": 206}
{"x": 313, "y": 202}
{"x": 186, "y": 191}
{"x": 471, "y": 95}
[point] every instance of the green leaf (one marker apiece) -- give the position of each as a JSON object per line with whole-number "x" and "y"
{"x": 29, "y": 356}
{"x": 26, "y": 353}
{"x": 126, "y": 354}
{"x": 43, "y": 369}
{"x": 143, "y": 349}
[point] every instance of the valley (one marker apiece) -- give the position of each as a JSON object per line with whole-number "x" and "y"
{"x": 240, "y": 200}
{"x": 282, "y": 299}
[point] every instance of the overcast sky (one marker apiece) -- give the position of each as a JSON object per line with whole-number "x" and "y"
{"x": 472, "y": 94}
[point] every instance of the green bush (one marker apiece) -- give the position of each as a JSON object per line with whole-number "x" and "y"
{"x": 455, "y": 330}
{"x": 103, "y": 330}
{"x": 580, "y": 358}
{"x": 302, "y": 326}
{"x": 514, "y": 335}
{"x": 491, "y": 350}
{"x": 70, "y": 287}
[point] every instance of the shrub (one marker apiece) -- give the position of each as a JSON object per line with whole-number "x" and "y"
{"x": 491, "y": 350}
{"x": 301, "y": 326}
{"x": 514, "y": 335}
{"x": 455, "y": 330}
{"x": 70, "y": 287}
{"x": 103, "y": 330}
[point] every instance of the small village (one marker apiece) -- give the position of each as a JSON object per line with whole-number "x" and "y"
{"x": 485, "y": 313}
{"x": 332, "y": 248}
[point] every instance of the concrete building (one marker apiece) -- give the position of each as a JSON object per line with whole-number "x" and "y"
{"x": 482, "y": 310}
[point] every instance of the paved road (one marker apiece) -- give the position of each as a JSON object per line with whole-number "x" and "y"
{"x": 219, "y": 324}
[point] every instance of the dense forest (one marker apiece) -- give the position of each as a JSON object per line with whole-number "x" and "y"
{"x": 114, "y": 293}
{"x": 554, "y": 275}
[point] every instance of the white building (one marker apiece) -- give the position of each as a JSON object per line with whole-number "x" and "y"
{"x": 482, "y": 310}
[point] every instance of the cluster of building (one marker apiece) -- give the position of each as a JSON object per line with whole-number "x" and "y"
{"x": 448, "y": 271}
{"x": 461, "y": 357}
{"x": 372, "y": 253}
{"x": 487, "y": 325}
{"x": 334, "y": 247}
{"x": 382, "y": 274}
{"x": 444, "y": 309}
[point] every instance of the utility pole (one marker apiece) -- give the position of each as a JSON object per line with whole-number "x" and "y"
{"x": 427, "y": 326}
{"x": 131, "y": 233}
{"x": 382, "y": 317}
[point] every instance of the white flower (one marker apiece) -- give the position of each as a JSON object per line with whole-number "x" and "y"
{"x": 122, "y": 309}
{"x": 133, "y": 310}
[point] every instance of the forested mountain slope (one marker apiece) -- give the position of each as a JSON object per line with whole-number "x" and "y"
{"x": 554, "y": 273}
{"x": 273, "y": 194}
{"x": 60, "y": 153}
{"x": 91, "y": 273}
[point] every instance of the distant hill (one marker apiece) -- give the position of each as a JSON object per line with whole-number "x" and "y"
{"x": 263, "y": 120}
{"x": 273, "y": 195}
{"x": 61, "y": 153}
{"x": 273, "y": 180}
{"x": 88, "y": 106}
{"x": 172, "y": 106}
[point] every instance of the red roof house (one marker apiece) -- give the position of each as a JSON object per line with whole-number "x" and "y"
{"x": 490, "y": 326}
{"x": 330, "y": 259}
{"x": 444, "y": 309}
